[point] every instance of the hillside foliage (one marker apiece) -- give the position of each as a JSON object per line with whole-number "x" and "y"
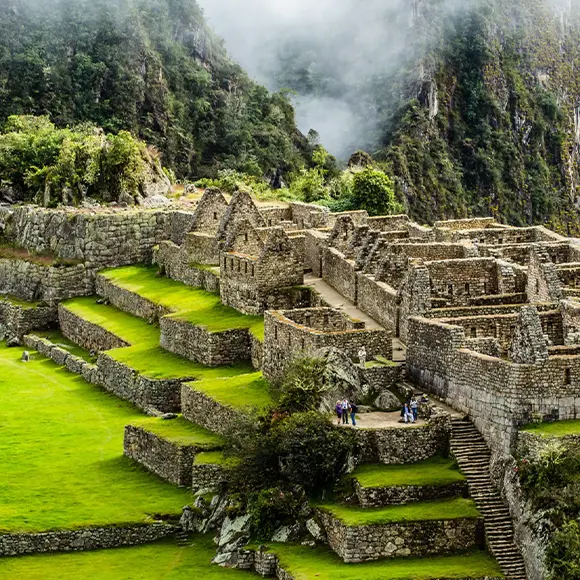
{"x": 150, "y": 67}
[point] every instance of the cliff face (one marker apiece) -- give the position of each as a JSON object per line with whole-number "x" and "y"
{"x": 493, "y": 124}
{"x": 149, "y": 66}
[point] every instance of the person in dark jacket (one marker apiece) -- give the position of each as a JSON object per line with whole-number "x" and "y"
{"x": 353, "y": 412}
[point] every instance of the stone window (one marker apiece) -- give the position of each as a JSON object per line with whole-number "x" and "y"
{"x": 215, "y": 215}
{"x": 485, "y": 287}
{"x": 500, "y": 241}
{"x": 325, "y": 320}
{"x": 245, "y": 237}
{"x": 537, "y": 286}
{"x": 567, "y": 377}
{"x": 252, "y": 271}
{"x": 467, "y": 288}
{"x": 246, "y": 268}
{"x": 307, "y": 320}
{"x": 232, "y": 264}
{"x": 270, "y": 223}
{"x": 473, "y": 332}
{"x": 239, "y": 266}
{"x": 450, "y": 289}
{"x": 303, "y": 347}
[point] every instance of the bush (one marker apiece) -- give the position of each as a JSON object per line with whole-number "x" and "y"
{"x": 311, "y": 451}
{"x": 563, "y": 554}
{"x": 374, "y": 192}
{"x": 303, "y": 386}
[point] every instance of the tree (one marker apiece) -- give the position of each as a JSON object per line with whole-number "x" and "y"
{"x": 373, "y": 191}
{"x": 563, "y": 554}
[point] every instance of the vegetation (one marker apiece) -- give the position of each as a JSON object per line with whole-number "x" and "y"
{"x": 307, "y": 563}
{"x": 149, "y": 67}
{"x": 554, "y": 429}
{"x": 447, "y": 509}
{"x": 181, "y": 432}
{"x": 372, "y": 190}
{"x": 42, "y": 163}
{"x": 58, "y": 338}
{"x": 75, "y": 440}
{"x": 302, "y": 386}
{"x": 564, "y": 552}
{"x": 195, "y": 305}
{"x": 434, "y": 471}
{"x": 214, "y": 458}
{"x": 163, "y": 560}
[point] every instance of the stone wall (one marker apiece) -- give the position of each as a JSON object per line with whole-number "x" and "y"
{"x": 83, "y": 539}
{"x": 365, "y": 543}
{"x": 34, "y": 282}
{"x": 202, "y": 410}
{"x": 401, "y": 445}
{"x": 340, "y": 273}
{"x": 196, "y": 343}
{"x": 143, "y": 392}
{"x": 379, "y": 300}
{"x": 20, "y": 320}
{"x": 167, "y": 459}
{"x": 208, "y": 476}
{"x": 285, "y": 339}
{"x": 87, "y": 335}
{"x": 314, "y": 244}
{"x": 376, "y": 497}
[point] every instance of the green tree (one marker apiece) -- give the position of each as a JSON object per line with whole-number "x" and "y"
{"x": 373, "y": 191}
{"x": 563, "y": 554}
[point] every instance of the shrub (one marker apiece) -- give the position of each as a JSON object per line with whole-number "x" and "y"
{"x": 311, "y": 451}
{"x": 302, "y": 386}
{"x": 563, "y": 554}
{"x": 374, "y": 192}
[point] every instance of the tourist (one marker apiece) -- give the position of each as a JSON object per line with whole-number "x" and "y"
{"x": 415, "y": 408}
{"x": 353, "y": 412}
{"x": 345, "y": 410}
{"x": 408, "y": 414}
{"x": 338, "y": 409}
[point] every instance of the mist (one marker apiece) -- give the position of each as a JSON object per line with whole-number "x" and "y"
{"x": 334, "y": 53}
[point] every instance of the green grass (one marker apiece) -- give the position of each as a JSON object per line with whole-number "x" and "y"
{"x": 61, "y": 454}
{"x": 239, "y": 392}
{"x": 305, "y": 563}
{"x": 181, "y": 432}
{"x": 214, "y": 458}
{"x": 556, "y": 429}
{"x": 132, "y": 330}
{"x": 157, "y": 561}
{"x": 17, "y": 302}
{"x": 157, "y": 363}
{"x": 195, "y": 305}
{"x": 58, "y": 339}
{"x": 448, "y": 509}
{"x": 434, "y": 471}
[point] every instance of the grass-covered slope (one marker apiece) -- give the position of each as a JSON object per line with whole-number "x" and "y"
{"x": 181, "y": 432}
{"x": 321, "y": 564}
{"x": 195, "y": 305}
{"x": 434, "y": 471}
{"x": 448, "y": 509}
{"x": 158, "y": 561}
{"x": 61, "y": 454}
{"x": 556, "y": 429}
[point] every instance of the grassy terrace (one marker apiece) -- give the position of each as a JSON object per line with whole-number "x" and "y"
{"x": 556, "y": 429}
{"x": 161, "y": 560}
{"x": 181, "y": 432}
{"x": 434, "y": 471}
{"x": 17, "y": 302}
{"x": 61, "y": 454}
{"x": 449, "y": 509}
{"x": 57, "y": 338}
{"x": 215, "y": 458}
{"x": 239, "y": 392}
{"x": 195, "y": 305}
{"x": 320, "y": 563}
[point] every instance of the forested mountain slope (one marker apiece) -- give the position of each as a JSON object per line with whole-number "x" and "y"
{"x": 148, "y": 66}
{"x": 474, "y": 105}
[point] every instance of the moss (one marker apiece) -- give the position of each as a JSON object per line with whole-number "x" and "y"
{"x": 215, "y": 458}
{"x": 556, "y": 429}
{"x": 18, "y": 302}
{"x": 448, "y": 509}
{"x": 181, "y": 432}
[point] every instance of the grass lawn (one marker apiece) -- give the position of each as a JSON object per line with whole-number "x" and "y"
{"x": 433, "y": 471}
{"x": 448, "y": 509}
{"x": 17, "y": 302}
{"x": 322, "y": 564}
{"x": 239, "y": 392}
{"x": 195, "y": 305}
{"x": 158, "y": 561}
{"x": 131, "y": 329}
{"x": 556, "y": 429}
{"x": 157, "y": 363}
{"x": 57, "y": 338}
{"x": 181, "y": 431}
{"x": 61, "y": 454}
{"x": 214, "y": 458}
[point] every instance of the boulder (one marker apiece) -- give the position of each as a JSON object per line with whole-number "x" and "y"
{"x": 387, "y": 402}
{"x": 234, "y": 529}
{"x": 287, "y": 534}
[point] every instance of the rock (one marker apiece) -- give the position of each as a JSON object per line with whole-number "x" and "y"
{"x": 387, "y": 402}
{"x": 168, "y": 416}
{"x": 125, "y": 199}
{"x": 155, "y": 201}
{"x": 316, "y": 530}
{"x": 232, "y": 529}
{"x": 362, "y": 409}
{"x": 25, "y": 356}
{"x": 286, "y": 534}
{"x": 13, "y": 341}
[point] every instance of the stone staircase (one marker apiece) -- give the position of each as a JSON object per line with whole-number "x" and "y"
{"x": 474, "y": 457}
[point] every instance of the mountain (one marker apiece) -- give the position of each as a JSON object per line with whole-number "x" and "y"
{"x": 474, "y": 106}
{"x": 152, "y": 67}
